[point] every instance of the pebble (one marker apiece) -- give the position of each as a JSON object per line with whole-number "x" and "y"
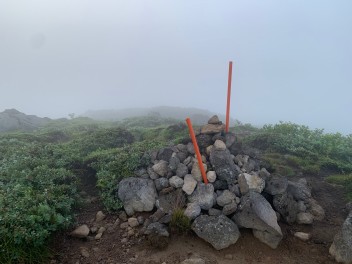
{"x": 133, "y": 222}
{"x": 100, "y": 216}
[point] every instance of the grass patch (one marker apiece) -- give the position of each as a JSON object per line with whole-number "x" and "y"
{"x": 344, "y": 180}
{"x": 180, "y": 223}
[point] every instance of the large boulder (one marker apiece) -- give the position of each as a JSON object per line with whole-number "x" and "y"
{"x": 224, "y": 165}
{"x": 219, "y": 231}
{"x": 341, "y": 248}
{"x": 256, "y": 212}
{"x": 137, "y": 194}
{"x": 203, "y": 195}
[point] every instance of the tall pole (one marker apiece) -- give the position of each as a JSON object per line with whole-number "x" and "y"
{"x": 228, "y": 98}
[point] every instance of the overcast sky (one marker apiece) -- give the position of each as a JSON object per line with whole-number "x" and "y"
{"x": 292, "y": 58}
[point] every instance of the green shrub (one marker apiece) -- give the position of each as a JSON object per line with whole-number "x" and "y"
{"x": 344, "y": 180}
{"x": 180, "y": 223}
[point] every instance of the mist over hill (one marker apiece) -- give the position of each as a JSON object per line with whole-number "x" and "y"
{"x": 198, "y": 116}
{"x": 14, "y": 120}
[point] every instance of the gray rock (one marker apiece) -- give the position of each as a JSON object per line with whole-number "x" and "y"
{"x": 225, "y": 198}
{"x": 214, "y": 212}
{"x": 174, "y": 162}
{"x": 158, "y": 214}
{"x": 276, "y": 185}
{"x": 252, "y": 182}
{"x": 161, "y": 168}
{"x": 341, "y": 248}
{"x": 152, "y": 174}
{"x": 80, "y": 232}
{"x": 229, "y": 208}
{"x": 211, "y": 176}
{"x": 212, "y": 128}
{"x": 219, "y": 145}
{"x": 304, "y": 218}
{"x": 235, "y": 189}
{"x": 264, "y": 174}
{"x": 230, "y": 138}
{"x": 190, "y": 148}
{"x": 214, "y": 120}
{"x": 181, "y": 147}
{"x": 182, "y": 155}
{"x": 140, "y": 220}
{"x": 203, "y": 195}
{"x": 316, "y": 210}
{"x": 349, "y": 207}
{"x": 165, "y": 154}
{"x": 301, "y": 206}
{"x": 161, "y": 183}
{"x": 192, "y": 211}
{"x": 181, "y": 170}
{"x": 189, "y": 184}
{"x": 223, "y": 165}
{"x": 168, "y": 202}
{"x": 286, "y": 206}
{"x": 165, "y": 219}
{"x": 197, "y": 175}
{"x": 299, "y": 190}
{"x": 137, "y": 194}
{"x": 226, "y": 234}
{"x": 176, "y": 182}
{"x": 256, "y": 212}
{"x": 251, "y": 165}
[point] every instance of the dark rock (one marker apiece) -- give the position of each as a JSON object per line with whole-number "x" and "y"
{"x": 182, "y": 156}
{"x": 165, "y": 219}
{"x": 286, "y": 206}
{"x": 226, "y": 234}
{"x": 276, "y": 185}
{"x": 299, "y": 190}
{"x": 174, "y": 162}
{"x": 218, "y": 136}
{"x": 223, "y": 165}
{"x": 157, "y": 235}
{"x": 214, "y": 212}
{"x": 157, "y": 215}
{"x": 190, "y": 148}
{"x": 137, "y": 194}
{"x": 165, "y": 154}
{"x": 230, "y": 138}
{"x": 229, "y": 208}
{"x": 214, "y": 120}
{"x": 220, "y": 185}
{"x": 161, "y": 183}
{"x": 203, "y": 141}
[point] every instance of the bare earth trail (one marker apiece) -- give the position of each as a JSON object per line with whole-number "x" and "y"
{"x": 116, "y": 247}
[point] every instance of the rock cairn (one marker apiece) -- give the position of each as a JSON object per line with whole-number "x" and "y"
{"x": 240, "y": 193}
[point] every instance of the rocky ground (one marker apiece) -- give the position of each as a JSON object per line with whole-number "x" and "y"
{"x": 122, "y": 244}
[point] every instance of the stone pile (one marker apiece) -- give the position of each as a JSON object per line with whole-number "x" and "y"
{"x": 240, "y": 193}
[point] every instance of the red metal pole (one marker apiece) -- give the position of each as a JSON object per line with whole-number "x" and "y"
{"x": 196, "y": 149}
{"x": 228, "y": 98}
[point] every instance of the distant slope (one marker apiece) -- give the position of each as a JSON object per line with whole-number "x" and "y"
{"x": 198, "y": 116}
{"x": 14, "y": 120}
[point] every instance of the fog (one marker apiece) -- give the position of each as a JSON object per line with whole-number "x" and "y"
{"x": 292, "y": 59}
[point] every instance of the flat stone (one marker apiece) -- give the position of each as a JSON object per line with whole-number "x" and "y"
{"x": 176, "y": 182}
{"x": 302, "y": 236}
{"x": 212, "y": 128}
{"x": 189, "y": 184}
{"x": 80, "y": 232}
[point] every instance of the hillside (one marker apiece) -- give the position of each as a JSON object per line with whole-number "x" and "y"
{"x": 14, "y": 120}
{"x": 198, "y": 116}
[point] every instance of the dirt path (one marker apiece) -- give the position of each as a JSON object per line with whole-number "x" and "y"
{"x": 118, "y": 245}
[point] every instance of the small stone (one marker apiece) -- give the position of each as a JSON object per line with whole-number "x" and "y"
{"x": 219, "y": 145}
{"x": 229, "y": 256}
{"x": 196, "y": 173}
{"x": 124, "y": 225}
{"x": 161, "y": 168}
{"x": 211, "y": 176}
{"x": 181, "y": 170}
{"x": 192, "y": 210}
{"x": 101, "y": 230}
{"x": 214, "y": 120}
{"x": 123, "y": 216}
{"x": 133, "y": 222}
{"x": 229, "y": 208}
{"x": 302, "y": 236}
{"x": 304, "y": 218}
{"x": 140, "y": 220}
{"x": 225, "y": 198}
{"x": 100, "y": 216}
{"x": 214, "y": 212}
{"x": 94, "y": 229}
{"x": 80, "y": 232}
{"x": 84, "y": 252}
{"x": 176, "y": 182}
{"x": 98, "y": 236}
{"x": 190, "y": 148}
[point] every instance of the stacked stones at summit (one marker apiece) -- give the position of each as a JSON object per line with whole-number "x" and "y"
{"x": 237, "y": 195}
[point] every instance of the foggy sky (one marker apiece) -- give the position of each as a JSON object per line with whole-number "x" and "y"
{"x": 292, "y": 59}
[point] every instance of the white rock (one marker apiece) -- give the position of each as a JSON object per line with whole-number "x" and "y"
{"x": 219, "y": 145}
{"x": 81, "y": 231}
{"x": 302, "y": 236}
{"x": 189, "y": 184}
{"x": 211, "y": 176}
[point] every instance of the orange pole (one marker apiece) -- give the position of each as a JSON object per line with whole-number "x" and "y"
{"x": 228, "y": 98}
{"x": 196, "y": 149}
